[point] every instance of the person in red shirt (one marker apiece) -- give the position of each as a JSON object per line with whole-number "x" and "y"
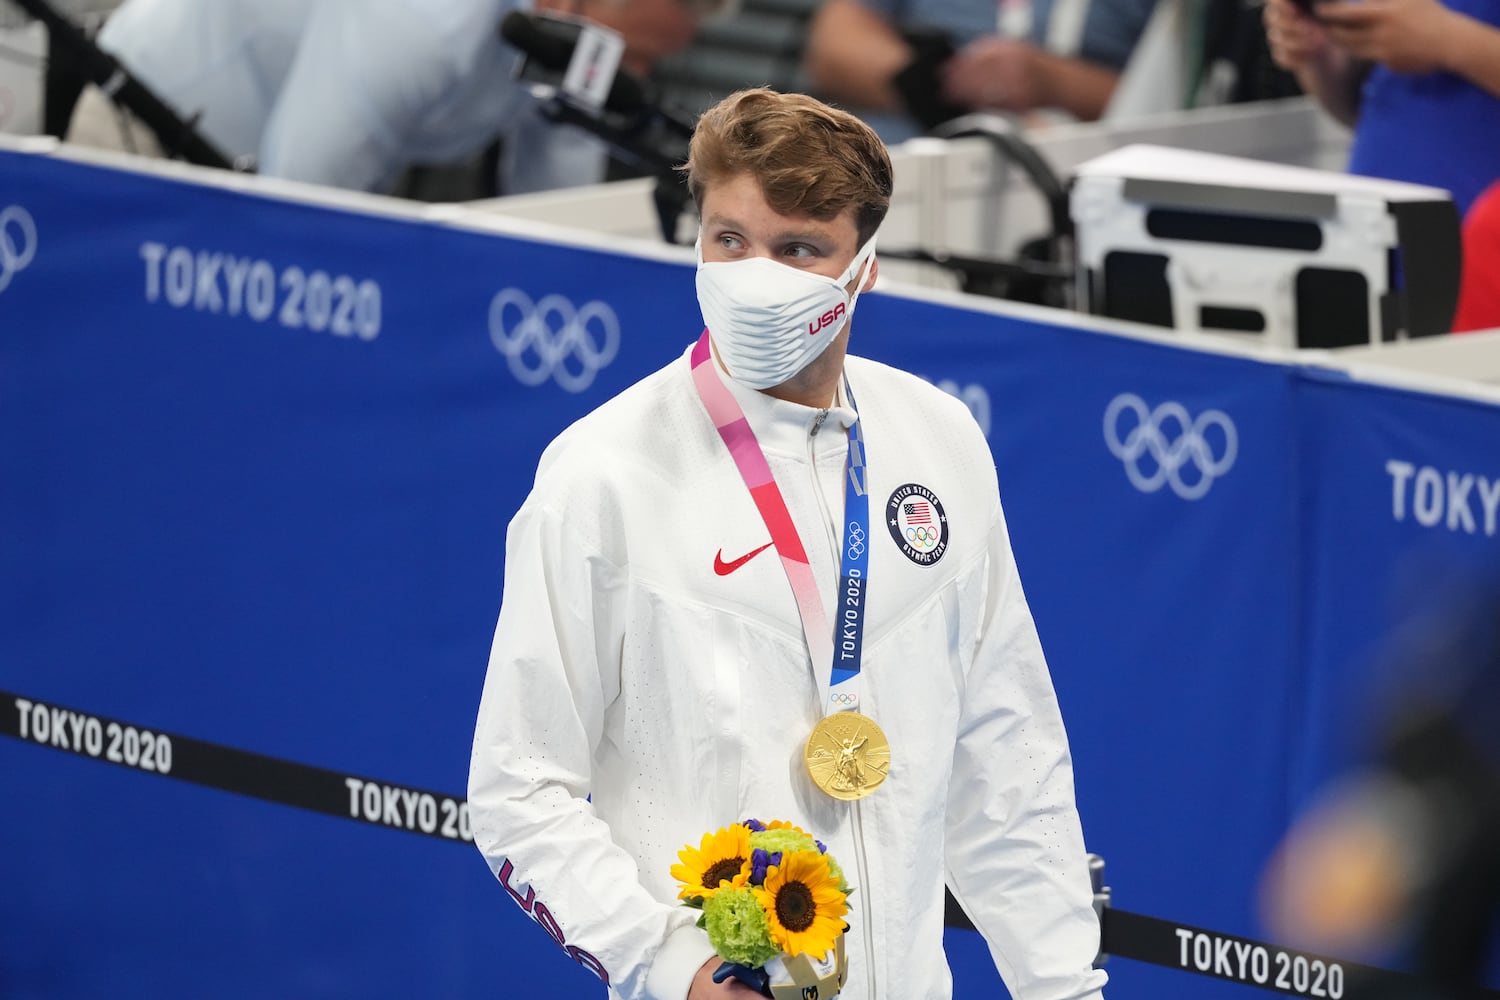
{"x": 1479, "y": 289}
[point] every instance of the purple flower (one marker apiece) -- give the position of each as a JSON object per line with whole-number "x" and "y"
{"x": 753, "y": 825}
{"x": 821, "y": 849}
{"x": 760, "y": 860}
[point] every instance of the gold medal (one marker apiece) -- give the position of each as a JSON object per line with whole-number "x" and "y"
{"x": 847, "y": 755}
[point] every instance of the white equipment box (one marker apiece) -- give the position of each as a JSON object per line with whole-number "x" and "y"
{"x": 1289, "y": 256}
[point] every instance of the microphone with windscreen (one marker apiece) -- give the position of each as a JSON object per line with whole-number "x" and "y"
{"x": 549, "y": 43}
{"x": 641, "y": 132}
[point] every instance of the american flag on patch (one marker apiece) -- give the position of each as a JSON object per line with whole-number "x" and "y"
{"x": 917, "y": 512}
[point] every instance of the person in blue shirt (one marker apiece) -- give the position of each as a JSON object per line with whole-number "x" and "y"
{"x": 352, "y": 94}
{"x": 904, "y": 65}
{"x": 1418, "y": 80}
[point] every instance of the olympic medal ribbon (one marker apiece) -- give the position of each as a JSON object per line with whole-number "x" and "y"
{"x": 854, "y": 571}
{"x": 734, "y": 429}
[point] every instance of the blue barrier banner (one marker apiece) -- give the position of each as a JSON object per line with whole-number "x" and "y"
{"x": 259, "y": 460}
{"x": 1402, "y": 497}
{"x": 259, "y": 456}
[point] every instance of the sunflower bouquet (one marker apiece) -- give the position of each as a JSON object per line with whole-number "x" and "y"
{"x": 773, "y": 902}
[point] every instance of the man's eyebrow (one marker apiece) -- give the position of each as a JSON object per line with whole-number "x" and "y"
{"x": 814, "y": 235}
{"x": 803, "y": 236}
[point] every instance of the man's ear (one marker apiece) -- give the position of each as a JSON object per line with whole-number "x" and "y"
{"x": 874, "y": 272}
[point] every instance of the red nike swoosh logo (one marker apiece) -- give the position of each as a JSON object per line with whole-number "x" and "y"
{"x": 725, "y": 568}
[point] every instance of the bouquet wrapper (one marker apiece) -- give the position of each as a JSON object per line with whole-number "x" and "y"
{"x": 794, "y": 977}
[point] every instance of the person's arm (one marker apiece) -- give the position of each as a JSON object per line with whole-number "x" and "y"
{"x": 1078, "y": 86}
{"x": 1015, "y": 852}
{"x": 1011, "y": 75}
{"x": 553, "y": 671}
{"x": 1416, "y": 36}
{"x": 1474, "y": 54}
{"x": 364, "y": 78}
{"x": 1301, "y": 45}
{"x": 853, "y": 52}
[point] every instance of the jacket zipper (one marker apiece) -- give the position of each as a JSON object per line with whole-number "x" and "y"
{"x": 864, "y": 894}
{"x": 812, "y": 460}
{"x": 859, "y": 832}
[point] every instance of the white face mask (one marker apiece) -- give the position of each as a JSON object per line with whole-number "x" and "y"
{"x": 768, "y": 320}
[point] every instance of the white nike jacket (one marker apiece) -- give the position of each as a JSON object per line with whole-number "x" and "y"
{"x": 648, "y": 684}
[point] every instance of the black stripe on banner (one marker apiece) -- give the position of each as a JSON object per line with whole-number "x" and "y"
{"x": 446, "y": 817}
{"x": 271, "y": 779}
{"x": 1267, "y": 966}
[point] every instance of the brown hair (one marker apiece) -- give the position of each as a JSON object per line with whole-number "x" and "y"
{"x": 810, "y": 159}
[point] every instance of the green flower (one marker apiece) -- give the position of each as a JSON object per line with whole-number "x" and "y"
{"x": 737, "y": 927}
{"x": 838, "y": 875}
{"x": 772, "y": 841}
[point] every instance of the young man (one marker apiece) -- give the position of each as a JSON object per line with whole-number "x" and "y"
{"x": 667, "y": 644}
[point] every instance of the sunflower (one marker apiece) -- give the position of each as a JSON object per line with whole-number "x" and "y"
{"x": 803, "y": 904}
{"x": 722, "y": 857}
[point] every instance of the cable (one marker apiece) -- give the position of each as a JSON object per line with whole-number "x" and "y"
{"x": 1045, "y": 268}
{"x": 1044, "y": 271}
{"x": 1007, "y": 141}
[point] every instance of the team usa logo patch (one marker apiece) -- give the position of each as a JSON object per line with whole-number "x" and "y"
{"x": 918, "y": 523}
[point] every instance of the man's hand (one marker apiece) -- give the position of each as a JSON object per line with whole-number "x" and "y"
{"x": 994, "y": 73}
{"x": 1303, "y": 45}
{"x": 704, "y": 987}
{"x": 1297, "y": 42}
{"x": 1409, "y": 36}
{"x": 1006, "y": 74}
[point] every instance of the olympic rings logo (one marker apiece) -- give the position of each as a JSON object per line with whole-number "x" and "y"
{"x": 550, "y": 339}
{"x": 17, "y": 242}
{"x": 922, "y": 536}
{"x": 843, "y": 699}
{"x": 856, "y": 540}
{"x": 1172, "y": 440}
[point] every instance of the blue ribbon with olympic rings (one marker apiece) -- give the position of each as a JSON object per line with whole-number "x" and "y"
{"x": 854, "y": 570}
